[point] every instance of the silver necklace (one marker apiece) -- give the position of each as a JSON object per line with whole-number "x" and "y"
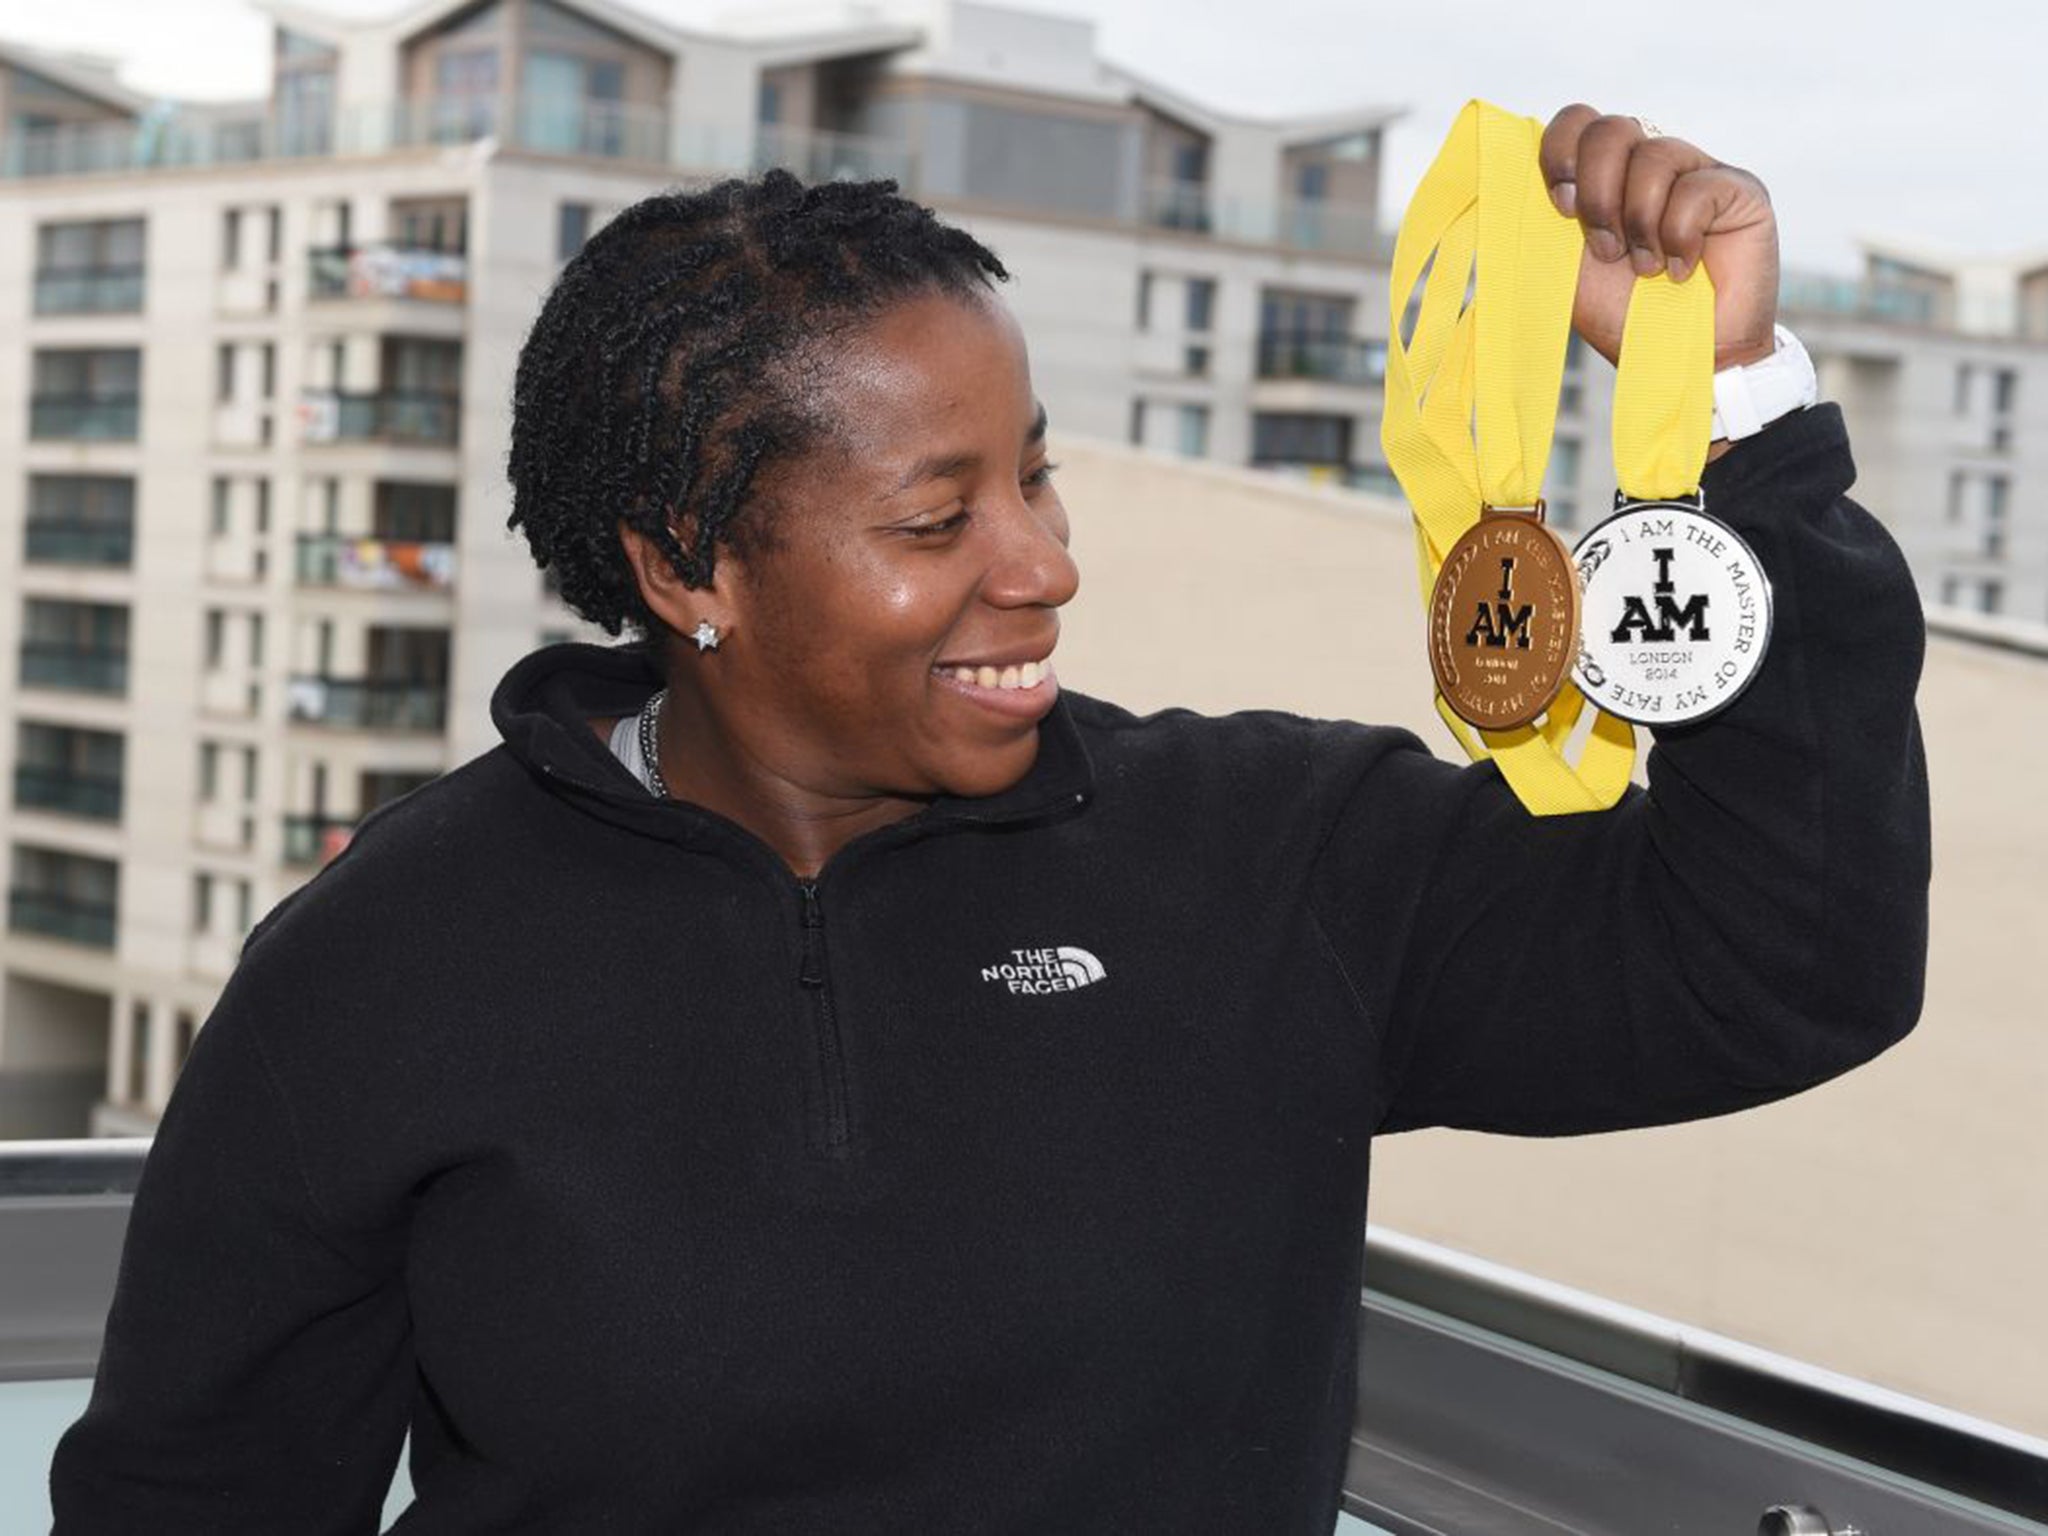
{"x": 650, "y": 761}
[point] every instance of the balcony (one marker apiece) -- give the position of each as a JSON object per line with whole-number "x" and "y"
{"x": 367, "y": 704}
{"x": 89, "y": 291}
{"x": 79, "y": 669}
{"x": 817, "y": 156}
{"x": 72, "y": 541}
{"x": 1168, "y": 204}
{"x": 380, "y": 416}
{"x": 372, "y": 564}
{"x": 387, "y": 272}
{"x": 1857, "y": 299}
{"x": 1331, "y": 359}
{"x": 53, "y": 915}
{"x": 310, "y": 840}
{"x": 84, "y": 418}
{"x": 67, "y": 791}
{"x": 1490, "y": 1403}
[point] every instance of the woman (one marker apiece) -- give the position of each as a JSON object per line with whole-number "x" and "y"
{"x": 815, "y": 1075}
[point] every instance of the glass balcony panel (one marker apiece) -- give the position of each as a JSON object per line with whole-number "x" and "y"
{"x": 334, "y": 560}
{"x": 73, "y": 794}
{"x": 54, "y": 915}
{"x": 371, "y": 704}
{"x": 71, "y": 542}
{"x": 89, "y": 291}
{"x": 109, "y": 418}
{"x": 387, "y": 272}
{"x": 389, "y": 416}
{"x": 48, "y": 664}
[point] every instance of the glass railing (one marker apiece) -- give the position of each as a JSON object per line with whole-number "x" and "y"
{"x": 73, "y": 794}
{"x": 49, "y": 664}
{"x": 91, "y": 417}
{"x": 315, "y": 839}
{"x": 1489, "y": 1402}
{"x": 814, "y": 156}
{"x": 56, "y": 916}
{"x": 385, "y": 416}
{"x": 370, "y": 704}
{"x": 1856, "y": 298}
{"x": 387, "y": 272}
{"x": 89, "y": 291}
{"x": 65, "y": 541}
{"x": 1334, "y": 359}
{"x": 336, "y": 560}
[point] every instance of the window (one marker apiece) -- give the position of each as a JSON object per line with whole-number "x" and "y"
{"x": 1990, "y": 596}
{"x": 245, "y": 898}
{"x": 1190, "y": 161}
{"x": 2004, "y": 387}
{"x": 255, "y": 640}
{"x": 248, "y": 773}
{"x": 1194, "y": 431}
{"x": 85, "y": 392}
{"x": 1138, "y": 422}
{"x": 1144, "y": 301}
{"x": 1962, "y": 405}
{"x": 769, "y": 107}
{"x": 231, "y": 239}
{"x": 89, "y": 267}
{"x": 269, "y": 370}
{"x": 1280, "y": 437}
{"x": 572, "y": 228}
{"x": 138, "y": 1052}
{"x": 263, "y": 505}
{"x": 1313, "y": 182}
{"x": 1196, "y": 362}
{"x": 274, "y": 246}
{"x": 220, "y": 505}
{"x": 1564, "y": 465}
{"x": 209, "y": 769}
{"x": 1201, "y": 302}
{"x": 80, "y": 519}
{"x": 216, "y": 636}
{"x": 202, "y": 902}
{"x": 224, "y": 372}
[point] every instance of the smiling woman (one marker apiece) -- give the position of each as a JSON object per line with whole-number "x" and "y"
{"x": 816, "y": 1074}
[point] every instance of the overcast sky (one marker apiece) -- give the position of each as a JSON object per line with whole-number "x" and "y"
{"x": 1919, "y": 124}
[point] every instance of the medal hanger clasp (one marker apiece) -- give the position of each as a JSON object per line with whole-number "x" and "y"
{"x": 1697, "y": 500}
{"x": 1535, "y": 509}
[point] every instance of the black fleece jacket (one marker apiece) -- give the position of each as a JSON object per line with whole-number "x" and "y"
{"x": 1011, "y": 1178}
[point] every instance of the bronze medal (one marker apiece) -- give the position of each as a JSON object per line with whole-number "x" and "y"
{"x": 1504, "y": 619}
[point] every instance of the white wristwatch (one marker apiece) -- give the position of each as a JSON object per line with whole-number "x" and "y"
{"x": 1750, "y": 397}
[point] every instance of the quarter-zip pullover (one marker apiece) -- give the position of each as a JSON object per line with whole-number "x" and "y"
{"x": 1009, "y": 1177}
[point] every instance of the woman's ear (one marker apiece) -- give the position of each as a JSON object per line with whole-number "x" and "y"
{"x": 681, "y": 607}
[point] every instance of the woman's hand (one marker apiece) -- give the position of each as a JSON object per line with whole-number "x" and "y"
{"x": 1662, "y": 204}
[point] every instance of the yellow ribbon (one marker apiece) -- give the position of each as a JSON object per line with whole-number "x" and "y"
{"x": 1482, "y": 217}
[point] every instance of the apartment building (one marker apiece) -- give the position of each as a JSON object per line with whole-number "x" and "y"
{"x": 255, "y": 370}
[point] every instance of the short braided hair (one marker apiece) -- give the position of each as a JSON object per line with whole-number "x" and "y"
{"x": 679, "y": 354}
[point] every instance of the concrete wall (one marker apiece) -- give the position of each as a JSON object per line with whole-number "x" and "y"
{"x": 1892, "y": 1224}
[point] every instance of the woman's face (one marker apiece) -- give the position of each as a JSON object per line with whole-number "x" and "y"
{"x": 918, "y": 567}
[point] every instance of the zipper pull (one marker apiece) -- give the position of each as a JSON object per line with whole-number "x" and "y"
{"x": 811, "y": 974}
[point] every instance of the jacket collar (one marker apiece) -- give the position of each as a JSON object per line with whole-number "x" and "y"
{"x": 542, "y": 705}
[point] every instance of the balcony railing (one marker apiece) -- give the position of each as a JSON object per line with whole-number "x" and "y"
{"x": 97, "y": 796}
{"x": 817, "y": 156}
{"x": 110, "y": 418}
{"x": 1857, "y": 298}
{"x": 367, "y": 704}
{"x": 1333, "y": 359}
{"x": 89, "y": 290}
{"x": 315, "y": 839}
{"x": 82, "y": 669}
{"x": 387, "y": 272}
{"x": 57, "y": 916}
{"x": 64, "y": 541}
{"x": 1489, "y": 1402}
{"x": 382, "y": 416}
{"x": 386, "y": 565}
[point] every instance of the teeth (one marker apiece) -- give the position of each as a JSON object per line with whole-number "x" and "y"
{"x": 1027, "y": 674}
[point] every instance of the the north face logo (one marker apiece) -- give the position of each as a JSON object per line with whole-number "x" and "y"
{"x": 1063, "y": 969}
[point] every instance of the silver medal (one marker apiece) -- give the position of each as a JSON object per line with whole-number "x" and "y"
{"x": 1676, "y": 616}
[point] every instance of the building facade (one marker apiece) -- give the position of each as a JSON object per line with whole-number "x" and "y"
{"x": 255, "y": 406}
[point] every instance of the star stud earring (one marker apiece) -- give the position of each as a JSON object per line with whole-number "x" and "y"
{"x": 706, "y": 635}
